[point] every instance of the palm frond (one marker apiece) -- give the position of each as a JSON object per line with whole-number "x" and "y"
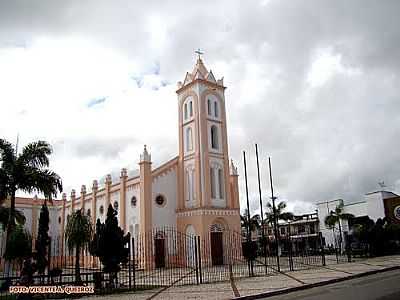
{"x": 5, "y": 216}
{"x": 7, "y": 153}
{"x": 42, "y": 181}
{"x": 35, "y": 154}
{"x": 331, "y": 220}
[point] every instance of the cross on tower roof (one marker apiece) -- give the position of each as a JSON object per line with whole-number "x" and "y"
{"x": 199, "y": 53}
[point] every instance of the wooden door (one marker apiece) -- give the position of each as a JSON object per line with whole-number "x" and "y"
{"x": 217, "y": 248}
{"x": 159, "y": 245}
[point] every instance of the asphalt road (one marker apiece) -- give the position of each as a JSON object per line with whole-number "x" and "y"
{"x": 383, "y": 286}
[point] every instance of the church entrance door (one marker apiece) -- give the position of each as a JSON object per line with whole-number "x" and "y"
{"x": 217, "y": 257}
{"x": 159, "y": 245}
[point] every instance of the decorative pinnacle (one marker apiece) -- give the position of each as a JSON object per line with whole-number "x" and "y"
{"x": 83, "y": 189}
{"x": 145, "y": 156}
{"x": 124, "y": 172}
{"x": 95, "y": 185}
{"x": 73, "y": 193}
{"x": 108, "y": 179}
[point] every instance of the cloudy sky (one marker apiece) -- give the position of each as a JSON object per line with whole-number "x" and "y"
{"x": 315, "y": 83}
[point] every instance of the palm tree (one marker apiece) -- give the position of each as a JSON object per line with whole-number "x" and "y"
{"x": 254, "y": 224}
{"x": 78, "y": 234}
{"x": 334, "y": 217}
{"x": 281, "y": 214}
{"x": 27, "y": 172}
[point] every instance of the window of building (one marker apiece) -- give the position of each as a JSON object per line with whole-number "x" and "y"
{"x": 191, "y": 109}
{"x": 59, "y": 220}
{"x": 160, "y": 200}
{"x": 216, "y": 112}
{"x": 209, "y": 107}
{"x": 301, "y": 229}
{"x": 185, "y": 111}
{"x": 221, "y": 184}
{"x": 88, "y": 212}
{"x": 214, "y": 137}
{"x": 212, "y": 179}
{"x": 189, "y": 139}
{"x": 101, "y": 209}
{"x": 312, "y": 229}
{"x": 116, "y": 205}
{"x": 283, "y": 230}
{"x": 133, "y": 201}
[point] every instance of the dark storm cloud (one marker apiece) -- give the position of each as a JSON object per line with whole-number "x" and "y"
{"x": 334, "y": 140}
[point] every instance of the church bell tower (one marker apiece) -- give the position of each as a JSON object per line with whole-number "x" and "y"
{"x": 208, "y": 188}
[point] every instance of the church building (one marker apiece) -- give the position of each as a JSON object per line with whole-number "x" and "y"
{"x": 196, "y": 192}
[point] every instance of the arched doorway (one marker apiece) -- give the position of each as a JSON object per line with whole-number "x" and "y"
{"x": 217, "y": 244}
{"x": 159, "y": 250}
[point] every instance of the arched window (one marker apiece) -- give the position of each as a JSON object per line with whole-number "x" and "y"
{"x": 186, "y": 111}
{"x": 216, "y": 112}
{"x": 192, "y": 184}
{"x": 116, "y": 205}
{"x": 209, "y": 107}
{"x": 189, "y": 139}
{"x": 214, "y": 137}
{"x": 221, "y": 184}
{"x": 191, "y": 109}
{"x": 188, "y": 189}
{"x": 212, "y": 181}
{"x": 88, "y": 212}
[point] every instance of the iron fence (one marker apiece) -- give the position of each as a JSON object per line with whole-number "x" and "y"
{"x": 164, "y": 257}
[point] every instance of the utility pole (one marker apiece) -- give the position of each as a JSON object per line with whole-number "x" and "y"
{"x": 247, "y": 197}
{"x": 275, "y": 217}
{"x": 261, "y": 211}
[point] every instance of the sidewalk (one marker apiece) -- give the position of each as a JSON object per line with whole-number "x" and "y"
{"x": 256, "y": 285}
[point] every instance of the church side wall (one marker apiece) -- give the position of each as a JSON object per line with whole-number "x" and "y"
{"x": 132, "y": 212}
{"x": 165, "y": 185}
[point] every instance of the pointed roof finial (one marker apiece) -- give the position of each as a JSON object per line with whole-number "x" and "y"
{"x": 145, "y": 156}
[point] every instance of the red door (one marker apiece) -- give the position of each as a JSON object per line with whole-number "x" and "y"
{"x": 159, "y": 252}
{"x": 216, "y": 248}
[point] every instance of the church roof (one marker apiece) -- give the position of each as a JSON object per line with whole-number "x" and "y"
{"x": 200, "y": 72}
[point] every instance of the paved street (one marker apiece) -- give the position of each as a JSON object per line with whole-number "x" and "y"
{"x": 384, "y": 286}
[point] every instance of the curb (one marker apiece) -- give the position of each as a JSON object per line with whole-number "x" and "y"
{"x": 313, "y": 285}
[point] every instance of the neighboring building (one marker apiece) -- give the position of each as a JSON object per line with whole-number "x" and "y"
{"x": 379, "y": 204}
{"x": 196, "y": 192}
{"x": 302, "y": 233}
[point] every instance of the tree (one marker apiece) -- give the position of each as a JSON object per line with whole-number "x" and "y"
{"x": 19, "y": 245}
{"x": 281, "y": 214}
{"x": 254, "y": 224}
{"x": 335, "y": 217}
{"x": 5, "y": 216}
{"x": 109, "y": 244}
{"x": 27, "y": 172}
{"x": 43, "y": 240}
{"x": 78, "y": 234}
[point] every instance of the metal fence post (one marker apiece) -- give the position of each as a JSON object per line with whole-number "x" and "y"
{"x": 196, "y": 259}
{"x": 134, "y": 263}
{"x": 199, "y": 256}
